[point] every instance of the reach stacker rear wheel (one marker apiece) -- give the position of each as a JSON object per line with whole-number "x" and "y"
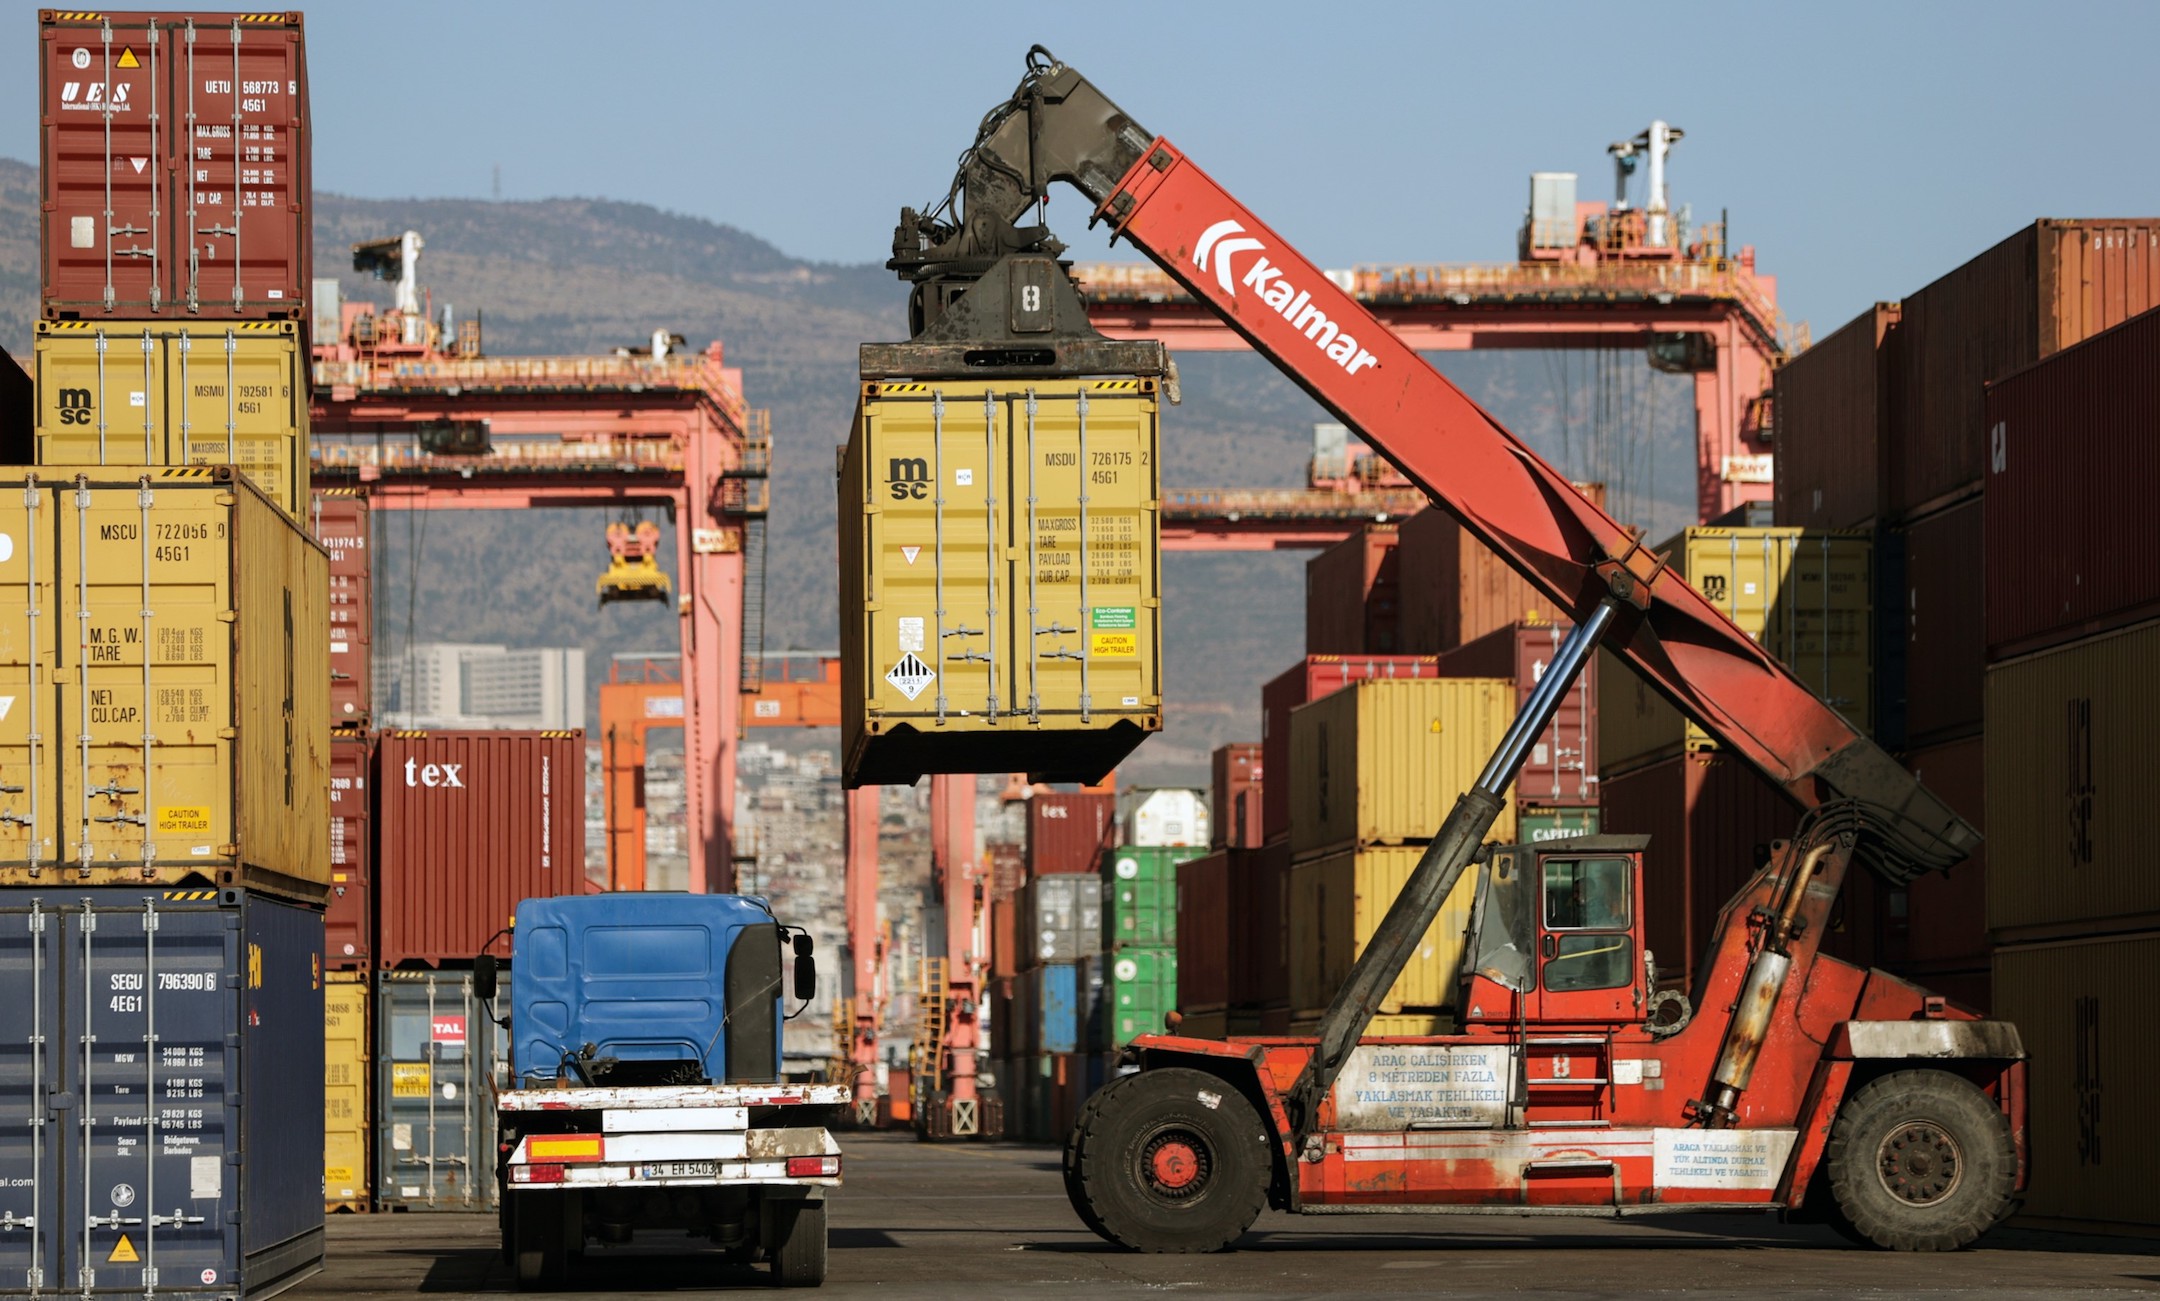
{"x": 1922, "y": 1161}
{"x": 1171, "y": 1160}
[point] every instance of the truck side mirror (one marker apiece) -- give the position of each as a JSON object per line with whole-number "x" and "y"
{"x": 804, "y": 946}
{"x": 483, "y": 977}
{"x": 805, "y": 972}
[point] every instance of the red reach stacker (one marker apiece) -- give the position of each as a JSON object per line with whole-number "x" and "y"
{"x": 1575, "y": 1084}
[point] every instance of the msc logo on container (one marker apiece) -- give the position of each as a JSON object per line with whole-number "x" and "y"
{"x": 75, "y": 406}
{"x": 908, "y": 478}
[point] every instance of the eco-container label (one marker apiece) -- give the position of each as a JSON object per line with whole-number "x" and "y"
{"x": 1113, "y": 616}
{"x": 411, "y": 1079}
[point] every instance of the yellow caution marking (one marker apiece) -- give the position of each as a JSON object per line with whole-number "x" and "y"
{"x": 128, "y": 60}
{"x": 1103, "y": 644}
{"x": 123, "y": 1253}
{"x": 410, "y": 1080}
{"x": 183, "y": 819}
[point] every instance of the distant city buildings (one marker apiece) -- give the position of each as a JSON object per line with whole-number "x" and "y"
{"x": 460, "y": 685}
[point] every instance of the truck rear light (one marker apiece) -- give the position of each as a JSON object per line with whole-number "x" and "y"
{"x": 812, "y": 1167}
{"x": 565, "y": 1147}
{"x": 536, "y": 1174}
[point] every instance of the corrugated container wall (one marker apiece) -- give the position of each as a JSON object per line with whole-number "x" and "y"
{"x": 1353, "y": 595}
{"x": 1063, "y": 917}
{"x": 1338, "y": 901}
{"x": 1310, "y": 679}
{"x": 181, "y": 603}
{"x": 340, "y": 522}
{"x": 1239, "y": 777}
{"x": 439, "y": 1063}
{"x": 235, "y": 1155}
{"x": 1068, "y": 832}
{"x": 2073, "y": 540}
{"x": 1456, "y": 589}
{"x": 1140, "y": 895}
{"x": 1561, "y": 767}
{"x": 1939, "y": 929}
{"x": 175, "y": 163}
{"x": 1140, "y": 989}
{"x": 468, "y": 824}
{"x": 1204, "y": 938}
{"x": 348, "y": 1069}
{"x": 1806, "y": 596}
{"x": 178, "y": 393}
{"x": 1945, "y": 607}
{"x": 2043, "y": 289}
{"x": 2092, "y": 1038}
{"x": 349, "y": 922}
{"x": 2070, "y": 792}
{"x": 971, "y": 533}
{"x": 1833, "y": 406}
{"x": 1259, "y": 927}
{"x": 1383, "y": 762}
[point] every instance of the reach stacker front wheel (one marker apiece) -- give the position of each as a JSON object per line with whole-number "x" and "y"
{"x": 1921, "y": 1161}
{"x": 1170, "y": 1160}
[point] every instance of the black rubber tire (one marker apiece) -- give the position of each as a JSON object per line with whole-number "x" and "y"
{"x": 795, "y": 1242}
{"x": 1942, "y": 1138}
{"x": 1122, "y": 1140}
{"x": 541, "y": 1260}
{"x": 1074, "y": 1141}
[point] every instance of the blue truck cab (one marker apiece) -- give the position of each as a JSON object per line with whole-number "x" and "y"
{"x": 646, "y": 1094}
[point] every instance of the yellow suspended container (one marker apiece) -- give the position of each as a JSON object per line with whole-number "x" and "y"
{"x": 1000, "y": 584}
{"x": 346, "y": 1076}
{"x": 178, "y": 393}
{"x": 1382, "y": 762}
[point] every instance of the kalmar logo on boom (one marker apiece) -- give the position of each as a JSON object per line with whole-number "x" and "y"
{"x": 1294, "y": 304}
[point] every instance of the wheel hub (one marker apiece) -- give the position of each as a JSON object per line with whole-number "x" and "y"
{"x": 1920, "y": 1163}
{"x": 1175, "y": 1165}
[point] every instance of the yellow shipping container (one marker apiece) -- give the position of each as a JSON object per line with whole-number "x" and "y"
{"x": 1423, "y": 1023}
{"x": 1000, "y": 578}
{"x": 1804, "y": 595}
{"x": 346, "y": 1075}
{"x": 2070, "y": 770}
{"x": 177, "y": 393}
{"x": 164, "y": 656}
{"x": 1382, "y": 762}
{"x": 1337, "y": 902}
{"x": 2092, "y": 1041}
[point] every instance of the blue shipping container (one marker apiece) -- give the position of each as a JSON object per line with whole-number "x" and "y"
{"x": 1055, "y": 1001}
{"x": 438, "y": 1062}
{"x": 161, "y": 1053}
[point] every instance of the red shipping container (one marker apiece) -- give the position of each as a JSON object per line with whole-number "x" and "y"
{"x": 175, "y": 163}
{"x": 1946, "y": 596}
{"x": 1204, "y": 935}
{"x": 348, "y": 921}
{"x": 1833, "y": 407}
{"x": 341, "y": 525}
{"x": 1068, "y": 833}
{"x": 1312, "y": 678}
{"x": 1259, "y": 928}
{"x": 1235, "y": 791}
{"x": 1353, "y": 596}
{"x": 1561, "y": 769}
{"x": 1940, "y": 926}
{"x": 2050, "y": 285}
{"x": 1006, "y": 957}
{"x": 1455, "y": 589}
{"x": 2073, "y": 541}
{"x": 467, "y": 825}
{"x": 1008, "y": 868}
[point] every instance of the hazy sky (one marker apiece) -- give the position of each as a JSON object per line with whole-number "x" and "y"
{"x": 1863, "y": 148}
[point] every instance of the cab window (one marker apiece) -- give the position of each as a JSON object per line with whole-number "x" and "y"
{"x": 1586, "y": 902}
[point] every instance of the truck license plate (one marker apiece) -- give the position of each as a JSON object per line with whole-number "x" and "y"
{"x": 680, "y": 1170}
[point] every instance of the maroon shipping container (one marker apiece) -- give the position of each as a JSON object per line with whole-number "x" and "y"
{"x": 1008, "y": 868}
{"x": 1260, "y": 928}
{"x": 467, "y": 825}
{"x": 2073, "y": 540}
{"x": 1561, "y": 769}
{"x": 1353, "y": 597}
{"x": 2050, "y": 285}
{"x": 1068, "y": 833}
{"x": 175, "y": 165}
{"x": 1945, "y": 613}
{"x": 1313, "y": 677}
{"x": 1938, "y": 928}
{"x": 1204, "y": 936}
{"x": 1237, "y": 772}
{"x": 349, "y": 922}
{"x": 1455, "y": 589}
{"x": 1833, "y": 406}
{"x": 341, "y": 525}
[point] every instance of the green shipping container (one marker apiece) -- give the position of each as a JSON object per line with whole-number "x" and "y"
{"x": 1140, "y": 895}
{"x": 1533, "y": 824}
{"x": 1139, "y": 988}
